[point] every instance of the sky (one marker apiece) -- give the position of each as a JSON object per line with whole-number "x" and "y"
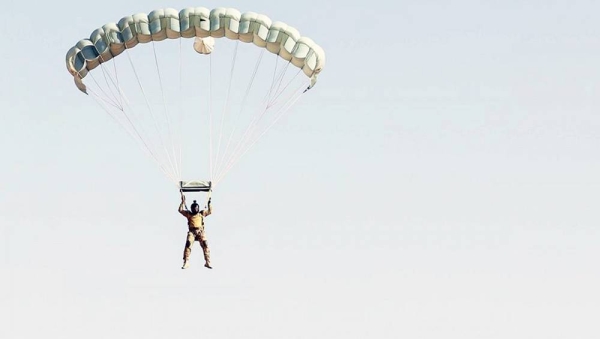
{"x": 440, "y": 181}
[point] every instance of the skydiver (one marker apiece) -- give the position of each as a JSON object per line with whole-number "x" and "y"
{"x": 195, "y": 230}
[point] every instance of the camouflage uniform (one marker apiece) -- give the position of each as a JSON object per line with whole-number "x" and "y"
{"x": 195, "y": 232}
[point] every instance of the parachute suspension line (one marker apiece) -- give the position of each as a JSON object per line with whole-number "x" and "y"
{"x": 124, "y": 98}
{"x": 172, "y": 171}
{"x": 274, "y": 77}
{"x": 244, "y": 137}
{"x": 180, "y": 132}
{"x": 145, "y": 144}
{"x": 139, "y": 139}
{"x": 243, "y": 143}
{"x": 269, "y": 104}
{"x": 280, "y": 113}
{"x": 151, "y": 111}
{"x": 122, "y": 110}
{"x": 270, "y": 99}
{"x": 277, "y": 95}
{"x": 121, "y": 96}
{"x": 135, "y": 134}
{"x": 114, "y": 62}
{"x": 226, "y": 106}
{"x": 106, "y": 98}
{"x": 105, "y": 72}
{"x": 110, "y": 76}
{"x": 259, "y": 114}
{"x": 280, "y": 80}
{"x": 243, "y": 105}
{"x": 288, "y": 104}
{"x": 102, "y": 103}
{"x": 210, "y": 162}
{"x": 166, "y": 112}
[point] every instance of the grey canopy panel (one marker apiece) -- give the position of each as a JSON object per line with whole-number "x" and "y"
{"x": 112, "y": 39}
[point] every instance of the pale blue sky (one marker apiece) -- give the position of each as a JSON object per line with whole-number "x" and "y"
{"x": 440, "y": 181}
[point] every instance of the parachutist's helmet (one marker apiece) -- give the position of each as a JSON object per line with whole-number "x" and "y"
{"x": 195, "y": 207}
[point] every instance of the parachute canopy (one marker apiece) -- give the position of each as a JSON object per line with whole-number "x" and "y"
{"x": 277, "y": 37}
{"x": 209, "y": 101}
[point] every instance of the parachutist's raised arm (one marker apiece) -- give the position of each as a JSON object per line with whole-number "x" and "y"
{"x": 208, "y": 211}
{"x": 182, "y": 205}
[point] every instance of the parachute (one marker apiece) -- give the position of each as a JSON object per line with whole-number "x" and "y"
{"x": 196, "y": 88}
